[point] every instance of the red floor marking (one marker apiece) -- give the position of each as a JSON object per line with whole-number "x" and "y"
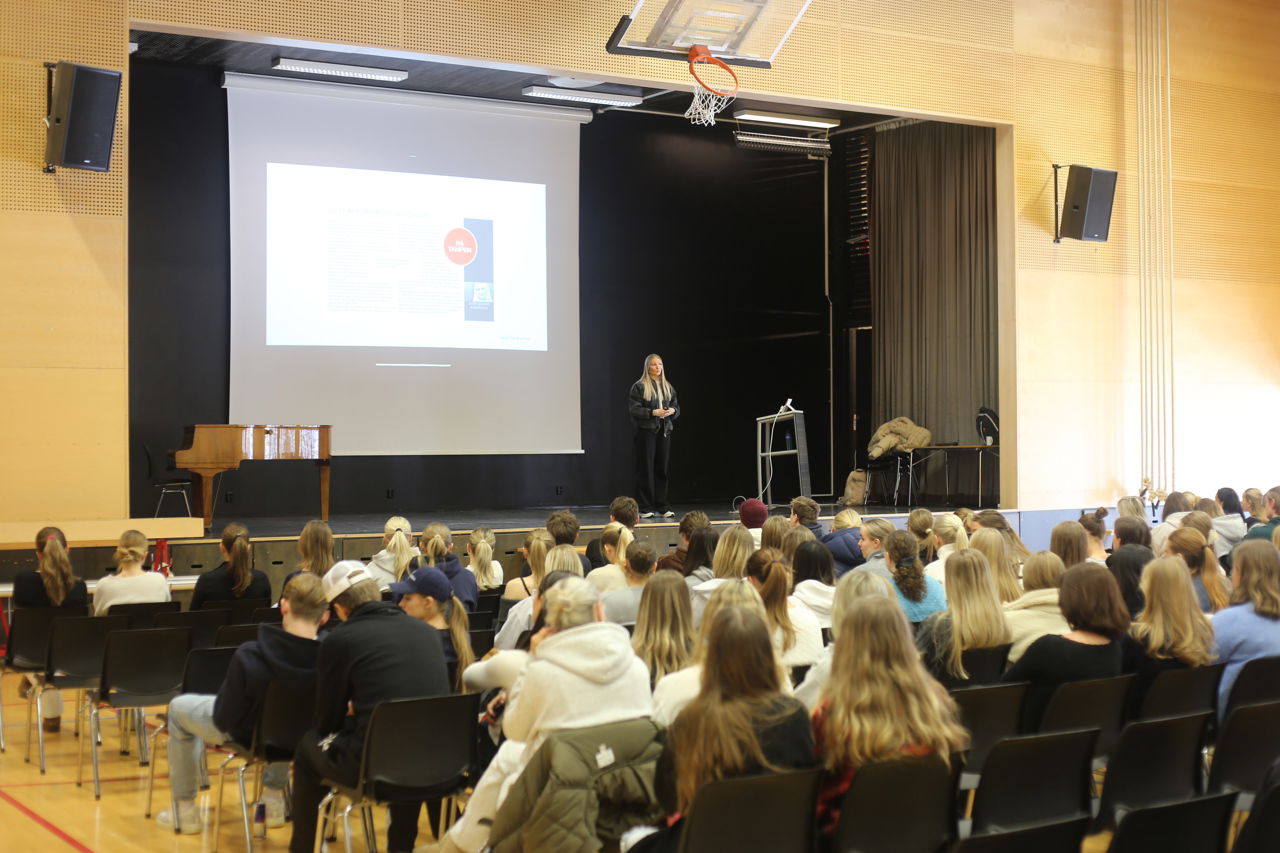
{"x": 45, "y": 823}
{"x": 87, "y": 782}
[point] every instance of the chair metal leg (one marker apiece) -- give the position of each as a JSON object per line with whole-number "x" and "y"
{"x": 151, "y": 771}
{"x": 39, "y": 691}
{"x": 217, "y": 808}
{"x": 95, "y": 726}
{"x": 140, "y": 726}
{"x": 2, "y": 744}
{"x": 323, "y": 817}
{"x": 370, "y": 830}
{"x": 203, "y": 767}
{"x": 346, "y": 826}
{"x": 80, "y": 707}
{"x": 30, "y": 703}
{"x": 244, "y": 808}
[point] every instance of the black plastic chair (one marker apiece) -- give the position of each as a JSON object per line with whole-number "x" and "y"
{"x": 769, "y": 812}
{"x": 27, "y": 647}
{"x": 402, "y": 764}
{"x": 284, "y": 718}
{"x": 488, "y": 602}
{"x": 204, "y": 672}
{"x": 1098, "y": 703}
{"x": 481, "y": 642}
{"x": 235, "y": 635}
{"x": 166, "y": 479}
{"x": 1155, "y": 761}
{"x": 986, "y": 665}
{"x": 1257, "y": 682}
{"x": 906, "y": 805}
{"x": 1178, "y": 692}
{"x": 270, "y": 615}
{"x": 1062, "y": 837}
{"x": 480, "y": 621}
{"x": 1248, "y": 743}
{"x": 1196, "y": 826}
{"x": 1034, "y": 779}
{"x": 204, "y": 624}
{"x": 74, "y": 663}
{"x": 144, "y": 615}
{"x": 1261, "y": 832}
{"x": 991, "y": 714}
{"x": 140, "y": 668}
{"x": 241, "y": 609}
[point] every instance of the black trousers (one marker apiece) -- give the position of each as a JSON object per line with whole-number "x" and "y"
{"x": 653, "y": 453}
{"x": 311, "y": 765}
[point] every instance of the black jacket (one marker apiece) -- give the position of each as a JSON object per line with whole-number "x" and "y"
{"x": 215, "y": 585}
{"x": 641, "y": 411}
{"x": 463, "y": 582}
{"x": 276, "y": 654}
{"x": 29, "y": 591}
{"x": 379, "y": 654}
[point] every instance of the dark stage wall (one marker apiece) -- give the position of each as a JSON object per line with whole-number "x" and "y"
{"x": 707, "y": 254}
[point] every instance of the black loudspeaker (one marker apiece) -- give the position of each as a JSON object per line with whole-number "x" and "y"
{"x": 1087, "y": 213}
{"x": 82, "y": 117}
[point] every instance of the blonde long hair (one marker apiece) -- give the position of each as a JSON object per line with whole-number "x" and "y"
{"x": 618, "y": 537}
{"x": 775, "y": 527}
{"x": 992, "y": 546}
{"x": 732, "y": 551}
{"x": 537, "y": 544}
{"x": 395, "y": 534}
{"x": 1189, "y": 544}
{"x": 1171, "y": 625}
{"x": 851, "y": 587}
{"x": 434, "y": 543}
{"x": 663, "y": 636}
{"x": 995, "y": 521}
{"x": 977, "y": 619}
{"x": 880, "y": 701}
{"x": 949, "y": 527}
{"x": 1131, "y": 506}
{"x": 651, "y": 388}
{"x": 460, "y": 634}
{"x": 480, "y": 546}
{"x": 1256, "y": 568}
{"x": 55, "y": 564}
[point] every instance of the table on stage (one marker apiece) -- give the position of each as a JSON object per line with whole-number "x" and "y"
{"x": 920, "y": 455}
{"x": 210, "y": 449}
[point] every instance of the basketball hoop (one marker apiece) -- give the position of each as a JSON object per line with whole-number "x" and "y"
{"x": 712, "y": 91}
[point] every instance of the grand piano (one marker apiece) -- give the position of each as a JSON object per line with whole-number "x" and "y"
{"x": 209, "y": 449}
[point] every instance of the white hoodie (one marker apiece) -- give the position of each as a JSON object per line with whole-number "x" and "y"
{"x": 1231, "y": 529}
{"x": 1160, "y": 533}
{"x": 579, "y": 677}
{"x": 817, "y": 597}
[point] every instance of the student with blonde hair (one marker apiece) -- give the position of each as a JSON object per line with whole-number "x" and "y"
{"x": 130, "y": 584}
{"x": 992, "y": 546}
{"x": 973, "y": 619}
{"x": 771, "y": 532}
{"x": 235, "y": 578}
{"x": 1036, "y": 612}
{"x": 1250, "y": 627}
{"x": 728, "y": 563}
{"x": 480, "y": 562}
{"x": 614, "y": 541}
{"x": 315, "y": 547}
{"x": 663, "y": 637}
{"x": 842, "y": 541}
{"x": 564, "y": 558}
{"x": 1255, "y": 507}
{"x": 879, "y": 703}
{"x": 797, "y": 638}
{"x": 52, "y": 584}
{"x": 874, "y": 534}
{"x": 993, "y": 520}
{"x": 1171, "y": 632}
{"x": 436, "y": 545}
{"x": 791, "y": 541}
{"x": 536, "y": 545}
{"x": 1212, "y": 589}
{"x": 392, "y": 562}
{"x": 1070, "y": 542}
{"x": 1130, "y": 506}
{"x": 949, "y": 536}
{"x": 427, "y": 596}
{"x": 920, "y": 525}
{"x": 852, "y": 586}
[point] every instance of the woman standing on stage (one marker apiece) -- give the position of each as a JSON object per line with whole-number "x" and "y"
{"x": 653, "y": 407}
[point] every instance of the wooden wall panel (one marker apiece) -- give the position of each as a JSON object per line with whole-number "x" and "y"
{"x": 1230, "y": 43}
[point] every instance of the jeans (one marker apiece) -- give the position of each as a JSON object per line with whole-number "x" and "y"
{"x": 190, "y": 728}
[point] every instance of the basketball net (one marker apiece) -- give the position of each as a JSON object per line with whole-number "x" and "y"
{"x": 714, "y": 86}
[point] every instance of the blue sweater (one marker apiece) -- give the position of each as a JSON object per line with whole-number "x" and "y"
{"x": 934, "y": 600}
{"x": 1242, "y": 635}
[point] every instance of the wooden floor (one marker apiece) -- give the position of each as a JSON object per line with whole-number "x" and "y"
{"x": 49, "y": 813}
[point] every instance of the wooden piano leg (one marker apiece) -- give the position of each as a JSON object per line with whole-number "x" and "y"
{"x": 324, "y": 488}
{"x": 203, "y": 494}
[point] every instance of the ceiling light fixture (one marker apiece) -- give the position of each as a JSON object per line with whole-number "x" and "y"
{"x": 611, "y": 99}
{"x": 785, "y": 118}
{"x": 783, "y": 144}
{"x": 334, "y": 69}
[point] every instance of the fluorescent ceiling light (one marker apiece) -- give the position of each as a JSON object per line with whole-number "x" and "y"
{"x": 784, "y": 144}
{"x": 608, "y": 98}
{"x": 785, "y": 118}
{"x": 334, "y": 69}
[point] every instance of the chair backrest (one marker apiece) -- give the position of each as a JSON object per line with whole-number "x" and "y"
{"x": 1062, "y": 837}
{"x": 144, "y": 666}
{"x": 143, "y": 615}
{"x": 1155, "y": 761}
{"x": 28, "y": 645}
{"x": 481, "y": 642}
{"x": 488, "y": 602}
{"x": 480, "y": 620}
{"x": 991, "y": 714}
{"x": 1177, "y": 692}
{"x": 1258, "y": 682}
{"x": 769, "y": 812}
{"x": 234, "y": 635}
{"x": 906, "y": 804}
{"x": 206, "y": 669}
{"x": 242, "y": 609}
{"x": 287, "y": 711}
{"x": 986, "y": 665}
{"x": 1035, "y": 779}
{"x": 1248, "y": 742}
{"x": 1195, "y": 826}
{"x": 272, "y": 615}
{"x": 1261, "y": 832}
{"x": 1098, "y": 703}
{"x": 76, "y": 647}
{"x": 419, "y": 743}
{"x": 204, "y": 624}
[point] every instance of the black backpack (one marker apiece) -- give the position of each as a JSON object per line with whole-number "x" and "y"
{"x": 988, "y": 426}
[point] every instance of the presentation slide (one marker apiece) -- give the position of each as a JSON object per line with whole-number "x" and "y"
{"x": 357, "y": 257}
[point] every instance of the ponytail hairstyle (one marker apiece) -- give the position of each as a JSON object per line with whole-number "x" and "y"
{"x": 771, "y": 532}
{"x": 480, "y": 547}
{"x": 396, "y": 533}
{"x": 536, "y": 545}
{"x": 920, "y": 523}
{"x": 570, "y": 603}
{"x": 992, "y": 546}
{"x": 1130, "y": 530}
{"x": 1190, "y": 544}
{"x": 455, "y": 615}
{"x": 1257, "y": 505}
{"x": 792, "y": 539}
{"x": 132, "y": 548}
{"x": 773, "y": 578}
{"x": 1130, "y": 506}
{"x": 55, "y": 564}
{"x": 1230, "y": 501}
{"x": 315, "y": 547}
{"x": 1094, "y": 524}
{"x": 618, "y": 537}
{"x": 902, "y": 553}
{"x": 434, "y": 542}
{"x": 989, "y": 518}
{"x": 1067, "y": 540}
{"x": 235, "y": 542}
{"x": 949, "y": 528}
{"x": 651, "y": 388}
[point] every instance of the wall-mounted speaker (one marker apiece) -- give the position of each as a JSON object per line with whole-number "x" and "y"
{"x": 1087, "y": 213}
{"x": 82, "y": 117}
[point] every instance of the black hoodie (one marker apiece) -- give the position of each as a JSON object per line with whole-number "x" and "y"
{"x": 275, "y": 654}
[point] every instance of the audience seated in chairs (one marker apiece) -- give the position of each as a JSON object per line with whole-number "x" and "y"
{"x": 842, "y": 541}
{"x": 623, "y": 605}
{"x": 875, "y": 533}
{"x": 797, "y": 639}
{"x": 852, "y": 586}
{"x": 614, "y": 542}
{"x": 392, "y": 562}
{"x": 480, "y": 562}
{"x": 813, "y": 570}
{"x": 949, "y": 535}
{"x": 235, "y": 578}
{"x": 919, "y": 595}
{"x": 1037, "y": 611}
{"x": 973, "y": 619}
{"x": 428, "y": 596}
{"x": 622, "y": 510}
{"x": 689, "y": 522}
{"x": 663, "y": 637}
{"x": 1250, "y": 627}
{"x": 285, "y": 652}
{"x": 519, "y": 616}
{"x": 436, "y": 551}
{"x": 992, "y": 545}
{"x": 130, "y": 584}
{"x": 697, "y": 562}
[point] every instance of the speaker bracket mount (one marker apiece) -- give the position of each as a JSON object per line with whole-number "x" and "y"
{"x": 1057, "y": 227}
{"x": 49, "y": 168}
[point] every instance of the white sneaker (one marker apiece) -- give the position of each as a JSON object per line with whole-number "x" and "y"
{"x": 646, "y": 515}
{"x": 668, "y": 514}
{"x": 189, "y": 820}
{"x": 274, "y": 801}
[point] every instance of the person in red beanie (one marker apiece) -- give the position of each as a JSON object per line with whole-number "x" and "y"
{"x": 752, "y": 515}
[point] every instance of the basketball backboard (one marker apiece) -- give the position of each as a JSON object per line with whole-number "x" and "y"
{"x": 739, "y": 32}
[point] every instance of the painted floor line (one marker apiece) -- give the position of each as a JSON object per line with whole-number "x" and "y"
{"x": 40, "y": 819}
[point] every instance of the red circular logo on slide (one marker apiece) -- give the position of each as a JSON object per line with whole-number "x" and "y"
{"x": 460, "y": 246}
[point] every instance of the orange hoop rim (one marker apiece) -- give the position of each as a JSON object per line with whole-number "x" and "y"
{"x": 698, "y": 54}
